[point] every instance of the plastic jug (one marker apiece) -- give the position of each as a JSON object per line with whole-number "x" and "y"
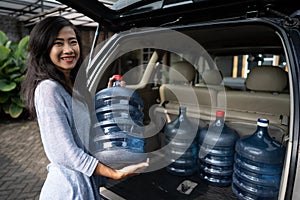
{"x": 216, "y": 152}
{"x": 119, "y": 140}
{"x": 185, "y": 163}
{"x": 258, "y": 165}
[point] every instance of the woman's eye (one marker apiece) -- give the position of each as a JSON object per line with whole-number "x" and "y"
{"x": 74, "y": 42}
{"x": 58, "y": 43}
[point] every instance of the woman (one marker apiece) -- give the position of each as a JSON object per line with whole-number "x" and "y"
{"x": 54, "y": 60}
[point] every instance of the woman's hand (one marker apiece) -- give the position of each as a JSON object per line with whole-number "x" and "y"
{"x": 111, "y": 81}
{"x": 133, "y": 169}
{"x": 117, "y": 174}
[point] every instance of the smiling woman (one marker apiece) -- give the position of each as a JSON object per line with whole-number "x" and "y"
{"x": 54, "y": 60}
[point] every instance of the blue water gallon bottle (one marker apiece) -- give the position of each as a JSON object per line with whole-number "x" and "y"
{"x": 119, "y": 140}
{"x": 258, "y": 165}
{"x": 216, "y": 152}
{"x": 182, "y": 145}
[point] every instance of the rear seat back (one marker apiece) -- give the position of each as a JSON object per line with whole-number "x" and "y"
{"x": 212, "y": 85}
{"x": 264, "y": 97}
{"x": 181, "y": 75}
{"x": 267, "y": 79}
{"x": 199, "y": 100}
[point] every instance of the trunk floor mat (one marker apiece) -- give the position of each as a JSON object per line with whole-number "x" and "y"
{"x": 161, "y": 185}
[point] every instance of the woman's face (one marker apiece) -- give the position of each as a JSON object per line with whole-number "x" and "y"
{"x": 65, "y": 51}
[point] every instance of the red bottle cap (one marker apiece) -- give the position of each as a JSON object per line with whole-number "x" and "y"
{"x": 220, "y": 113}
{"x": 117, "y": 77}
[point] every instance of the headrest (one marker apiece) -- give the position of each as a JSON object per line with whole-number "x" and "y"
{"x": 182, "y": 71}
{"x": 267, "y": 78}
{"x": 212, "y": 77}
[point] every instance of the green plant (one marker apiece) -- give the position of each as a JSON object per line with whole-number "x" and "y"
{"x": 12, "y": 69}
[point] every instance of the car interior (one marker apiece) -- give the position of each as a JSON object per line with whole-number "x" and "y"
{"x": 249, "y": 79}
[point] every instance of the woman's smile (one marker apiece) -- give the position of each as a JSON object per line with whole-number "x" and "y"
{"x": 68, "y": 59}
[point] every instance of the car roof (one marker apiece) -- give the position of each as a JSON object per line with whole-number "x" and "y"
{"x": 127, "y": 14}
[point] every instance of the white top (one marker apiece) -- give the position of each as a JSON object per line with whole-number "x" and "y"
{"x": 71, "y": 166}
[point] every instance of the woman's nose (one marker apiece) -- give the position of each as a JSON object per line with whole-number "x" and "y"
{"x": 68, "y": 49}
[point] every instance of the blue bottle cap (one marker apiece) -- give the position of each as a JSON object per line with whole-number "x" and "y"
{"x": 262, "y": 122}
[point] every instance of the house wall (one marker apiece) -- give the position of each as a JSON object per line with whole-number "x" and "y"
{"x": 16, "y": 30}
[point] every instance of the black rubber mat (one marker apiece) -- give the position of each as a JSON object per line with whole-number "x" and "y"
{"x": 161, "y": 185}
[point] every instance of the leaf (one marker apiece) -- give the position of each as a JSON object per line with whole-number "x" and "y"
{"x": 15, "y": 111}
{"x": 3, "y": 38}
{"x": 6, "y": 107}
{"x": 3, "y": 97}
{"x": 7, "y": 45}
{"x": 4, "y": 52}
{"x": 6, "y": 86}
{"x": 10, "y": 70}
{"x": 19, "y": 79}
{"x": 7, "y": 63}
{"x": 15, "y": 76}
{"x": 22, "y": 48}
{"x": 18, "y": 101}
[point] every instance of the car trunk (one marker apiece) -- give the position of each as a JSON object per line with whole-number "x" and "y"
{"x": 230, "y": 30}
{"x": 219, "y": 39}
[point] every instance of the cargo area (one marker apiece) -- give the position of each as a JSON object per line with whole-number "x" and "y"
{"x": 162, "y": 185}
{"x": 242, "y": 69}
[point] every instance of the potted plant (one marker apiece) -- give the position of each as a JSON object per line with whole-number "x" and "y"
{"x": 12, "y": 69}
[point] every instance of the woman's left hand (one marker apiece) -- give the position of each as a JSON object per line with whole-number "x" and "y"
{"x": 111, "y": 80}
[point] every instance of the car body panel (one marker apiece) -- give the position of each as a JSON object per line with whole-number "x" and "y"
{"x": 171, "y": 12}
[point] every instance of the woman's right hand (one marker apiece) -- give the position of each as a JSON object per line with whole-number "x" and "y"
{"x": 133, "y": 169}
{"x": 117, "y": 174}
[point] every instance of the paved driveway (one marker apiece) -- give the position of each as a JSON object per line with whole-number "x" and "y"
{"x": 22, "y": 160}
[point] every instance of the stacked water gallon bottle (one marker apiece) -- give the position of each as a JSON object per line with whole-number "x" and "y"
{"x": 258, "y": 165}
{"x": 119, "y": 140}
{"x": 216, "y": 152}
{"x": 252, "y": 165}
{"x": 181, "y": 152}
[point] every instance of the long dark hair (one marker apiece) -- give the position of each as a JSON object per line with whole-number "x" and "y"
{"x": 39, "y": 64}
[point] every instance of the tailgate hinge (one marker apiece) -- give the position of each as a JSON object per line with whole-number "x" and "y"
{"x": 289, "y": 21}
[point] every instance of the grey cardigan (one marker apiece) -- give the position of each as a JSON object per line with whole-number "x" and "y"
{"x": 71, "y": 166}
